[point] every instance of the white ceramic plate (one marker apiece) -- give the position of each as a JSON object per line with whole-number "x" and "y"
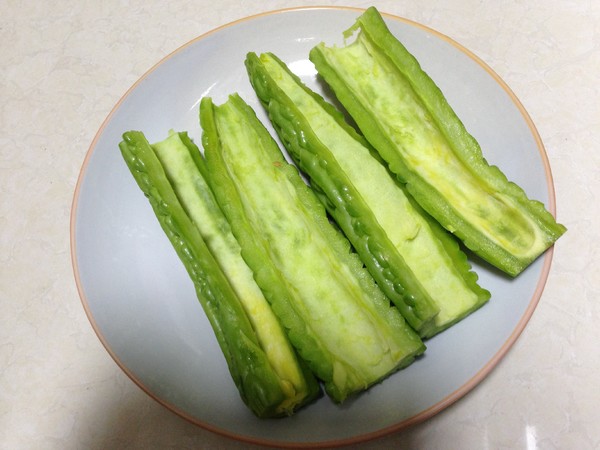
{"x": 143, "y": 306}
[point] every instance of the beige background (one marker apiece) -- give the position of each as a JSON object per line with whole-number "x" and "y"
{"x": 63, "y": 67}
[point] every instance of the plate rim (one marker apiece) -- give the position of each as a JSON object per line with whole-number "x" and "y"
{"x": 420, "y": 417}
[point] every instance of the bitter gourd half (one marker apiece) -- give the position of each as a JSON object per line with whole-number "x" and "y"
{"x": 407, "y": 119}
{"x": 341, "y": 324}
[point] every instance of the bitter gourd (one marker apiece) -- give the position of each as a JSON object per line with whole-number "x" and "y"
{"x": 341, "y": 324}
{"x": 406, "y": 117}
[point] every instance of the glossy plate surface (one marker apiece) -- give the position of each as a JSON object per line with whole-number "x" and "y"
{"x": 143, "y": 306}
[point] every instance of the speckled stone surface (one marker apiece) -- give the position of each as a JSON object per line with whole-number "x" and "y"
{"x": 63, "y": 67}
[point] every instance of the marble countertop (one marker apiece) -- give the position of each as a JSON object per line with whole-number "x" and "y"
{"x": 64, "y": 65}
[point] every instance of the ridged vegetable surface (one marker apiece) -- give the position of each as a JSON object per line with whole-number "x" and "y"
{"x": 265, "y": 369}
{"x": 415, "y": 262}
{"x": 335, "y": 315}
{"x": 407, "y": 119}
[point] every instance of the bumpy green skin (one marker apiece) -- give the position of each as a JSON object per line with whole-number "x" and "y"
{"x": 187, "y": 173}
{"x": 303, "y": 121}
{"x": 340, "y": 197}
{"x": 336, "y": 317}
{"x": 250, "y": 368}
{"x": 522, "y": 228}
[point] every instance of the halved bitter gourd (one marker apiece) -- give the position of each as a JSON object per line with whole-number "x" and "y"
{"x": 336, "y": 317}
{"x": 271, "y": 379}
{"x": 407, "y": 119}
{"x": 417, "y": 264}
